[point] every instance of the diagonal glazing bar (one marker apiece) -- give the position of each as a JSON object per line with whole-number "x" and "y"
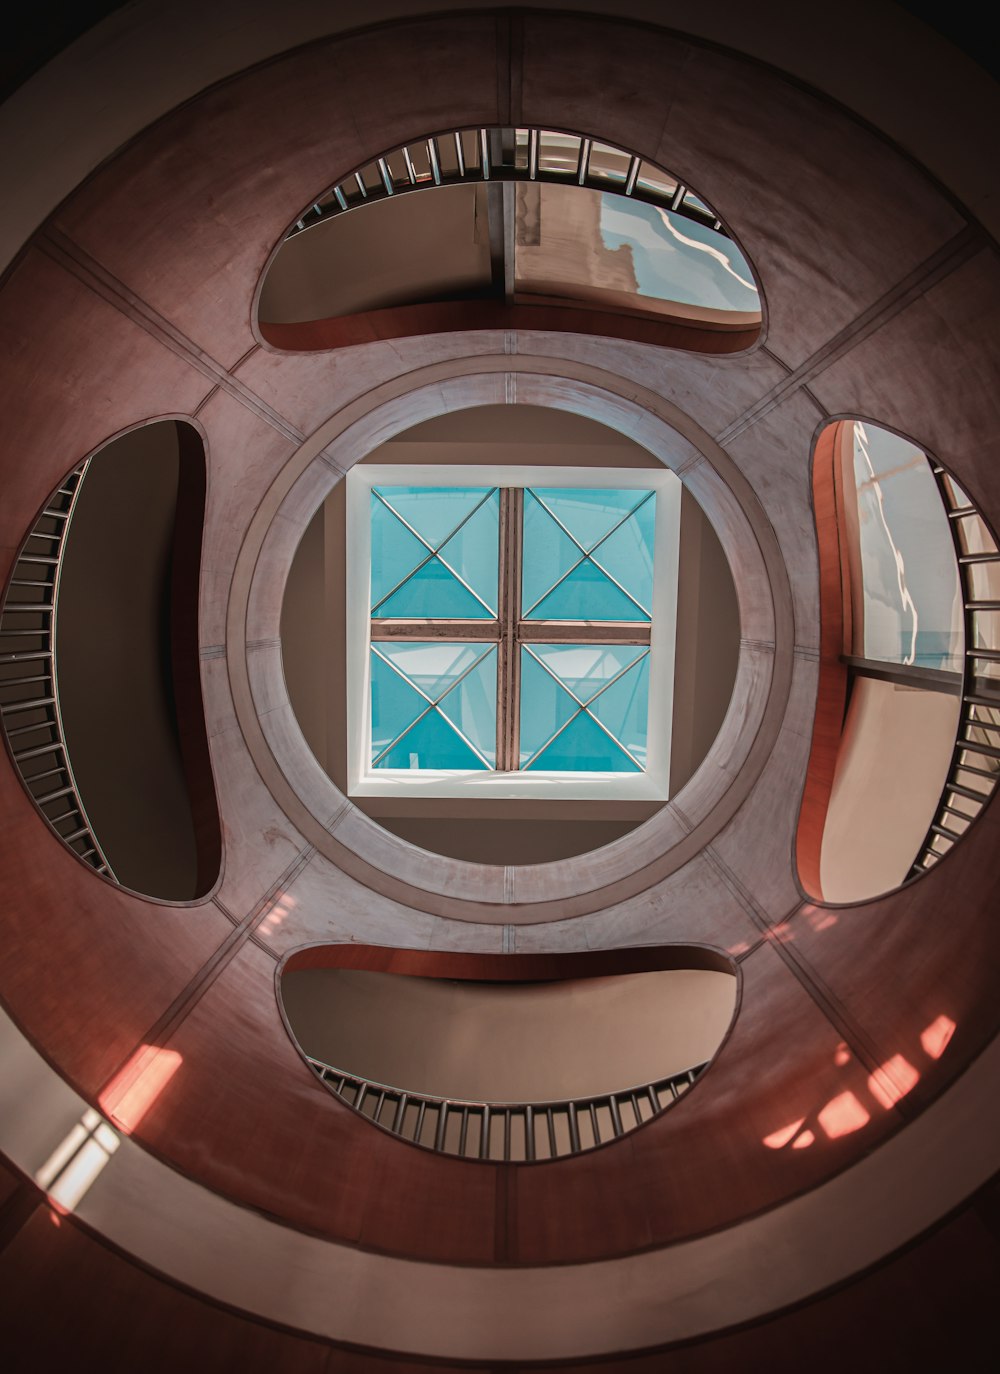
{"x": 432, "y": 551}
{"x": 432, "y": 704}
{"x": 588, "y": 554}
{"x": 584, "y": 707}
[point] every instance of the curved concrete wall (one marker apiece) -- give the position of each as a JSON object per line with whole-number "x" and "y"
{"x": 136, "y": 300}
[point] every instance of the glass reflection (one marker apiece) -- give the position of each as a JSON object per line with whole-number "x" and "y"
{"x": 677, "y": 259}
{"x": 910, "y": 607}
{"x": 624, "y": 253}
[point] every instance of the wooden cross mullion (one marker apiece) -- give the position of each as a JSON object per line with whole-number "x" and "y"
{"x": 509, "y": 620}
{"x": 509, "y": 631}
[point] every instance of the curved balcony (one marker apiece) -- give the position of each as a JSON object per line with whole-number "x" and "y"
{"x": 906, "y": 750}
{"x": 100, "y": 696}
{"x": 975, "y": 763}
{"x": 501, "y": 1062}
{"x": 514, "y": 1132}
{"x": 29, "y": 678}
{"x": 528, "y": 228}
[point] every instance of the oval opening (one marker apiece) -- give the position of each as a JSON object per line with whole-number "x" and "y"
{"x": 515, "y": 228}
{"x": 572, "y": 781}
{"x": 100, "y": 683}
{"x": 906, "y": 746}
{"x": 513, "y": 1057}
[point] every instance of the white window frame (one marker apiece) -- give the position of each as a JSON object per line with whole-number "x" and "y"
{"x": 650, "y": 785}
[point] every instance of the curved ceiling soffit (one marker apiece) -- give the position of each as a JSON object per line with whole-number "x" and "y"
{"x": 471, "y": 891}
{"x": 391, "y": 177}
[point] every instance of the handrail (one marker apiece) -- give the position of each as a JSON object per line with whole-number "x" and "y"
{"x": 519, "y": 154}
{"x": 30, "y": 713}
{"x": 975, "y": 763}
{"x": 508, "y": 1132}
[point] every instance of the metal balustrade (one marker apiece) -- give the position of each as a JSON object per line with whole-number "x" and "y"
{"x": 486, "y": 155}
{"x": 29, "y": 677}
{"x": 975, "y": 764}
{"x": 508, "y": 1132}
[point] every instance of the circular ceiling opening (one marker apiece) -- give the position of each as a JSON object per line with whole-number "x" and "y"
{"x": 510, "y": 635}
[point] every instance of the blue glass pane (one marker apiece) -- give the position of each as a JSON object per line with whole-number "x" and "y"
{"x": 432, "y": 667}
{"x": 628, "y": 554}
{"x": 548, "y": 553}
{"x": 583, "y": 747}
{"x": 472, "y": 706}
{"x": 624, "y": 709}
{"x": 612, "y": 679}
{"x": 395, "y": 704}
{"x": 434, "y": 512}
{"x": 587, "y": 594}
{"x": 433, "y": 592}
{"x": 675, "y": 259}
{"x": 474, "y": 552}
{"x": 461, "y": 678}
{"x": 433, "y": 743}
{"x": 395, "y": 551}
{"x": 912, "y": 598}
{"x": 545, "y": 706}
{"x": 616, "y": 528}
{"x": 461, "y": 526}
{"x": 586, "y": 668}
{"x": 587, "y": 515}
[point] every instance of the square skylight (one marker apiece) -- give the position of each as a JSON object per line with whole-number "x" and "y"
{"x": 507, "y": 636}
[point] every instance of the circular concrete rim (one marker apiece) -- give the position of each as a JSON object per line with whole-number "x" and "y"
{"x": 456, "y": 888}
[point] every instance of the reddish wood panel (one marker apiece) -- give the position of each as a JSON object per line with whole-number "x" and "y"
{"x": 71, "y": 1302}
{"x": 245, "y": 1115}
{"x": 76, "y": 372}
{"x": 722, "y": 1150}
{"x": 241, "y": 1079}
{"x": 831, "y": 693}
{"x": 188, "y": 215}
{"x": 88, "y": 967}
{"x": 443, "y": 317}
{"x": 769, "y": 158}
{"x": 927, "y": 373}
{"x": 932, "y": 951}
